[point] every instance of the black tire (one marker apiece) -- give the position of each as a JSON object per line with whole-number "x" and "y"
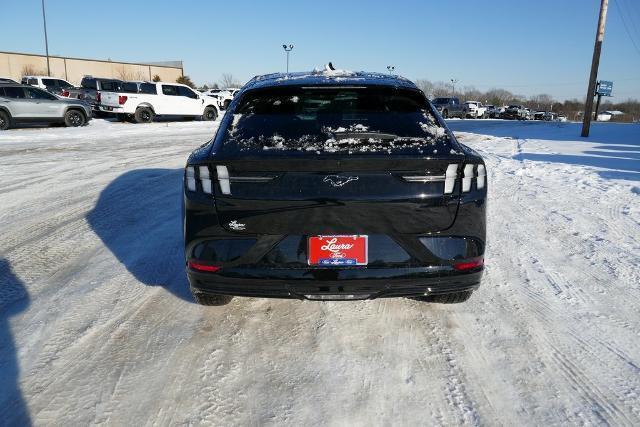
{"x": 454, "y": 298}
{"x": 210, "y": 299}
{"x": 210, "y": 114}
{"x": 74, "y": 118}
{"x": 143, "y": 115}
{"x": 5, "y": 121}
{"x": 445, "y": 114}
{"x": 121, "y": 117}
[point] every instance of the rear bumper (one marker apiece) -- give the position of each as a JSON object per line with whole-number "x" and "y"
{"x": 326, "y": 284}
{"x": 109, "y": 109}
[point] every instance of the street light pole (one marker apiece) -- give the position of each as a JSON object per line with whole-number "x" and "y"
{"x": 287, "y": 49}
{"x": 453, "y": 86}
{"x": 391, "y": 68}
{"x": 46, "y": 42}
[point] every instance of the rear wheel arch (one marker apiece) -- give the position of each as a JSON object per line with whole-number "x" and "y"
{"x": 78, "y": 110}
{"x": 6, "y": 119}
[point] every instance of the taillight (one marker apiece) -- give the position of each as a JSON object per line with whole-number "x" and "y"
{"x": 98, "y": 97}
{"x": 65, "y": 93}
{"x": 469, "y": 265}
{"x": 197, "y": 265}
{"x": 473, "y": 171}
{"x": 203, "y": 177}
{"x": 122, "y": 99}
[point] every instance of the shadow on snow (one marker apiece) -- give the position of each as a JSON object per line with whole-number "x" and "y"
{"x": 13, "y": 300}
{"x": 138, "y": 217}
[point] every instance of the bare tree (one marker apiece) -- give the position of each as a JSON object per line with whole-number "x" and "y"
{"x": 228, "y": 81}
{"x": 425, "y": 86}
{"x": 31, "y": 70}
{"x": 441, "y": 89}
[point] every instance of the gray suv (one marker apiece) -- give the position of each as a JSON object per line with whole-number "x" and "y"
{"x": 24, "y": 104}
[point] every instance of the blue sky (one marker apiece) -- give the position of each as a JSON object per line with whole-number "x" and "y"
{"x": 527, "y": 47}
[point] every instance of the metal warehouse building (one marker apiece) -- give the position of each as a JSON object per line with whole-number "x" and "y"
{"x": 14, "y": 65}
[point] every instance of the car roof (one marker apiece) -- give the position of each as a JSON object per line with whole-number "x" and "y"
{"x": 328, "y": 78}
{"x": 14, "y": 85}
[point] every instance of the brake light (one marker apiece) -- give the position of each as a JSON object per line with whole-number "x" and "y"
{"x": 122, "y": 99}
{"x": 196, "y": 265}
{"x": 469, "y": 265}
{"x": 65, "y": 93}
{"x": 98, "y": 97}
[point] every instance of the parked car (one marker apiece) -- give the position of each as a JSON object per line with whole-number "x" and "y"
{"x": 23, "y": 104}
{"x": 539, "y": 115}
{"x": 7, "y": 80}
{"x": 561, "y": 118}
{"x": 528, "y": 114}
{"x": 159, "y": 99}
{"x": 226, "y": 97}
{"x": 491, "y": 110}
{"x": 514, "y": 112}
{"x": 372, "y": 215}
{"x": 475, "y": 110}
{"x": 51, "y": 84}
{"x": 90, "y": 90}
{"x": 449, "y": 107}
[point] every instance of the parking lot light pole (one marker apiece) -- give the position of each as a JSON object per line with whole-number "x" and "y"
{"x": 453, "y": 86}
{"x": 287, "y": 49}
{"x": 391, "y": 68}
{"x": 46, "y": 42}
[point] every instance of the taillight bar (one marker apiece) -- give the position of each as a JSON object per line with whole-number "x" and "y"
{"x": 200, "y": 266}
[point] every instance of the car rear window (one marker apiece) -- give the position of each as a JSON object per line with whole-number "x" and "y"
{"x": 89, "y": 83}
{"x": 129, "y": 87}
{"x": 14, "y": 92}
{"x": 110, "y": 85}
{"x": 330, "y": 119}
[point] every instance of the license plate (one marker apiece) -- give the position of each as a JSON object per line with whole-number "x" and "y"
{"x": 338, "y": 250}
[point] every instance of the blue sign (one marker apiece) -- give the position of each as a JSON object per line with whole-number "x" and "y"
{"x": 604, "y": 88}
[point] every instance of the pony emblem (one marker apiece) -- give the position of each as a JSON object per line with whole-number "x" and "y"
{"x": 339, "y": 180}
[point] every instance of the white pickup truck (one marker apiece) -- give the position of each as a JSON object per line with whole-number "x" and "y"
{"x": 475, "y": 110}
{"x": 159, "y": 99}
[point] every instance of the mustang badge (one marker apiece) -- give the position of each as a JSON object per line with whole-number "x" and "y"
{"x": 339, "y": 180}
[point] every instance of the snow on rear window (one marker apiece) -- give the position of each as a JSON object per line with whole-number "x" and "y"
{"x": 326, "y": 119}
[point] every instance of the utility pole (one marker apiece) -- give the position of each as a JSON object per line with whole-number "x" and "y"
{"x": 287, "y": 49}
{"x": 595, "y": 62}
{"x": 46, "y": 42}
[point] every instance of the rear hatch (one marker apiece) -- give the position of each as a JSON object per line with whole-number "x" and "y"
{"x": 335, "y": 161}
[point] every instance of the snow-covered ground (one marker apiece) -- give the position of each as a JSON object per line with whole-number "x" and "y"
{"x": 97, "y": 325}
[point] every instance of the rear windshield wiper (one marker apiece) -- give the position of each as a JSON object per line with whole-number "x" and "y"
{"x": 364, "y": 135}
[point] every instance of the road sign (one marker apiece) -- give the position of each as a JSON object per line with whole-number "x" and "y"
{"x": 604, "y": 88}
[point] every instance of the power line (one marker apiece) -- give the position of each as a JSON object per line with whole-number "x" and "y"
{"x": 624, "y": 23}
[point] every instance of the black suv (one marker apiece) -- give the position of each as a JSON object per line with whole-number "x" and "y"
{"x": 334, "y": 186}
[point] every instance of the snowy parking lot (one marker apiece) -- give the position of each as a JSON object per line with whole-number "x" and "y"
{"x": 97, "y": 325}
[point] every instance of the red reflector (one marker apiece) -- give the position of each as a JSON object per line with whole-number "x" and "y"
{"x": 463, "y": 266}
{"x": 122, "y": 99}
{"x": 203, "y": 267}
